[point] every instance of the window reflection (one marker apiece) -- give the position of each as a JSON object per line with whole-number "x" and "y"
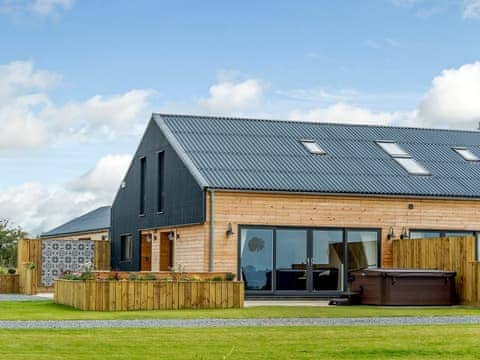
{"x": 257, "y": 258}
{"x": 362, "y": 249}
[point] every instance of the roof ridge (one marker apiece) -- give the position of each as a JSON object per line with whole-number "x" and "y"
{"x": 219, "y": 117}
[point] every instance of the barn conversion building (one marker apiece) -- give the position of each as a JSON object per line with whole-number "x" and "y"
{"x": 289, "y": 207}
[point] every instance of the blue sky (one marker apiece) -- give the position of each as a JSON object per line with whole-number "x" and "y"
{"x": 78, "y": 79}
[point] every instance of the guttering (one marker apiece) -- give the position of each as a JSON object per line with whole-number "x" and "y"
{"x": 346, "y": 194}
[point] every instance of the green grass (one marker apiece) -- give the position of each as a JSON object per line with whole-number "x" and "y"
{"x": 376, "y": 342}
{"x": 47, "y": 310}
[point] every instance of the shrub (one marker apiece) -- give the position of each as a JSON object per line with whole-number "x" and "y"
{"x": 217, "y": 278}
{"x": 230, "y": 276}
{"x": 3, "y": 271}
{"x": 148, "y": 277}
{"x": 132, "y": 276}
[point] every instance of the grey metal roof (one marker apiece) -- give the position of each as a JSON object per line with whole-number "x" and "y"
{"x": 266, "y": 155}
{"x": 98, "y": 219}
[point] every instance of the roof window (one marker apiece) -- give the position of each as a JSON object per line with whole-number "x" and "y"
{"x": 313, "y": 147}
{"x": 403, "y": 158}
{"x": 467, "y": 154}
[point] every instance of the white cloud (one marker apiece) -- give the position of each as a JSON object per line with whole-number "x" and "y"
{"x": 43, "y": 8}
{"x": 20, "y": 77}
{"x": 37, "y": 208}
{"x": 27, "y": 109}
{"x": 99, "y": 116}
{"x": 344, "y": 113}
{"x": 104, "y": 177}
{"x": 230, "y": 96}
{"x": 47, "y": 7}
{"x": 471, "y": 9}
{"x": 453, "y": 101}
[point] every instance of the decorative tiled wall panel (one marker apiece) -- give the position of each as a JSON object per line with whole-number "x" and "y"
{"x": 62, "y": 255}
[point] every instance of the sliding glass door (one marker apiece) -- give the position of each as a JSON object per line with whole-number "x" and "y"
{"x": 327, "y": 260}
{"x": 303, "y": 260}
{"x": 291, "y": 260}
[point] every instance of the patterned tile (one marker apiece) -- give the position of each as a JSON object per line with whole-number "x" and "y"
{"x": 62, "y": 255}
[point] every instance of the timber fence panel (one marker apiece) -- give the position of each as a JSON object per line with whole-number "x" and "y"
{"x": 125, "y": 295}
{"x": 448, "y": 254}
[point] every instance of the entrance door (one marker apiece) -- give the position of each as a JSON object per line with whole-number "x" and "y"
{"x": 166, "y": 252}
{"x": 146, "y": 252}
{"x": 292, "y": 262}
{"x": 326, "y": 260}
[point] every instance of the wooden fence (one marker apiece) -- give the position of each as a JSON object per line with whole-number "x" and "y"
{"x": 30, "y": 252}
{"x": 449, "y": 253}
{"x": 99, "y": 295}
{"x": 9, "y": 284}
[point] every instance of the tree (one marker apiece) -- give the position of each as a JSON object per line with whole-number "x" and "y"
{"x": 9, "y": 237}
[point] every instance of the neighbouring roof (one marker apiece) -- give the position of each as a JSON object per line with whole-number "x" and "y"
{"x": 98, "y": 219}
{"x": 267, "y": 155}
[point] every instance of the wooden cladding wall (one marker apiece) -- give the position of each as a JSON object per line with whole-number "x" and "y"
{"x": 451, "y": 253}
{"x": 9, "y": 284}
{"x": 30, "y": 252}
{"x": 148, "y": 295}
{"x": 333, "y": 211}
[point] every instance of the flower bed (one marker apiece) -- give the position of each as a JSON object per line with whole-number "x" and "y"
{"x": 121, "y": 295}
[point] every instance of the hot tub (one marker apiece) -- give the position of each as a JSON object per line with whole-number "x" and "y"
{"x": 404, "y": 286}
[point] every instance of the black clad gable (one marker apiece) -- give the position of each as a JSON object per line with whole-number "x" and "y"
{"x": 183, "y": 196}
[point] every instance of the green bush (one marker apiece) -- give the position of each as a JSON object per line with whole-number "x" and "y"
{"x": 230, "y": 276}
{"x": 217, "y": 278}
{"x": 132, "y": 276}
{"x": 149, "y": 277}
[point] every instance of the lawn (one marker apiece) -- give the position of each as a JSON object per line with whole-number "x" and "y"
{"x": 376, "y": 342}
{"x": 47, "y": 310}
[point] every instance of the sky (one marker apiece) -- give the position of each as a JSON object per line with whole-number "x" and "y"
{"x": 80, "y": 78}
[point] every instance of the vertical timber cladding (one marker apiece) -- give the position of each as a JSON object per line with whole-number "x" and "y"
{"x": 334, "y": 211}
{"x": 183, "y": 200}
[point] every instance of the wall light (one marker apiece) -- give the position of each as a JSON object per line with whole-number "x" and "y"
{"x": 229, "y": 231}
{"x": 404, "y": 234}
{"x": 391, "y": 234}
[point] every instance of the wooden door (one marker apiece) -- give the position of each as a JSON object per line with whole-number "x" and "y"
{"x": 146, "y": 253}
{"x": 166, "y": 253}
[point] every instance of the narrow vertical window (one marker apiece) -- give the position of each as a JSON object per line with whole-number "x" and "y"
{"x": 160, "y": 181}
{"x": 126, "y": 247}
{"x": 143, "y": 168}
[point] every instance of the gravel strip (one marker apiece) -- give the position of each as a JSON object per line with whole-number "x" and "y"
{"x": 18, "y": 297}
{"x": 195, "y": 323}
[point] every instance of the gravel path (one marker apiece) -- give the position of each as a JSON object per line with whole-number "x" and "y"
{"x": 195, "y": 323}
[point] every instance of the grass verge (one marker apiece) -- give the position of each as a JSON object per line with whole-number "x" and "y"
{"x": 355, "y": 342}
{"x": 47, "y": 310}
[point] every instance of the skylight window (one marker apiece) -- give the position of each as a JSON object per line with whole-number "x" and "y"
{"x": 393, "y": 149}
{"x": 467, "y": 154}
{"x": 403, "y": 158}
{"x": 412, "y": 166}
{"x": 313, "y": 147}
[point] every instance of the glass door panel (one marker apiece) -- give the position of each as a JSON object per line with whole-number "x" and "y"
{"x": 291, "y": 260}
{"x": 327, "y": 260}
{"x": 256, "y": 251}
{"x": 362, "y": 249}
